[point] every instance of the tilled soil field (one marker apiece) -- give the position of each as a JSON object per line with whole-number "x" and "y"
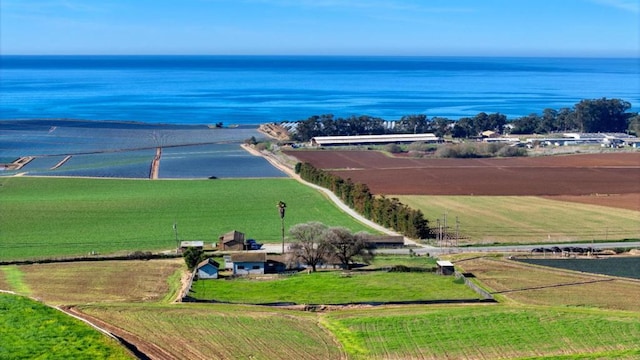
{"x": 582, "y": 177}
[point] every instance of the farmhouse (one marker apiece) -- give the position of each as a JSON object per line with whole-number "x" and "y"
{"x": 373, "y": 139}
{"x": 248, "y": 263}
{"x": 232, "y": 241}
{"x": 444, "y": 267}
{"x": 207, "y": 269}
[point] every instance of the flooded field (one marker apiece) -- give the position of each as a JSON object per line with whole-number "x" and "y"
{"x": 127, "y": 150}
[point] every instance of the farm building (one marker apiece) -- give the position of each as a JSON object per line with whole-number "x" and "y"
{"x": 232, "y": 241}
{"x": 373, "y": 139}
{"x": 385, "y": 241}
{"x": 184, "y": 245}
{"x": 444, "y": 267}
{"x": 208, "y": 269}
{"x": 489, "y": 134}
{"x": 228, "y": 264}
{"x": 275, "y": 265}
{"x": 249, "y": 263}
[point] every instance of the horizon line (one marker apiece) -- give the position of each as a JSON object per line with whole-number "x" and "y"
{"x": 331, "y": 55}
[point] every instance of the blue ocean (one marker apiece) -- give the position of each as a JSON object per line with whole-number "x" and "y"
{"x": 242, "y": 90}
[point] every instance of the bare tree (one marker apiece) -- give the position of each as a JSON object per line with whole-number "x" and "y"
{"x": 347, "y": 247}
{"x": 310, "y": 245}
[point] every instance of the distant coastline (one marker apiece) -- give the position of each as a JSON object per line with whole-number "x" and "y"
{"x": 253, "y": 90}
{"x": 111, "y": 124}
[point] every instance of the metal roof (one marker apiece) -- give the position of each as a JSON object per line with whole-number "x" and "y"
{"x": 371, "y": 139}
{"x": 249, "y": 257}
{"x": 444, "y": 263}
{"x": 191, "y": 243}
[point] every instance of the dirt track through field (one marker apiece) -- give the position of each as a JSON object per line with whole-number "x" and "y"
{"x": 139, "y": 347}
{"x": 155, "y": 164}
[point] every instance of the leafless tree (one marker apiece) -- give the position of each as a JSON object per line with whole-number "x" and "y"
{"x": 347, "y": 247}
{"x": 310, "y": 246}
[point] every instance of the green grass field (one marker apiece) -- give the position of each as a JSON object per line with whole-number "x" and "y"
{"x": 48, "y": 217}
{"x": 557, "y": 328}
{"x": 486, "y": 332}
{"x": 335, "y": 288}
{"x": 31, "y": 330}
{"x": 526, "y": 219}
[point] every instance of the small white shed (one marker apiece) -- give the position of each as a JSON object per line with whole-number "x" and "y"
{"x": 445, "y": 267}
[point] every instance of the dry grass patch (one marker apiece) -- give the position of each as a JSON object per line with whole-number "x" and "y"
{"x": 526, "y": 219}
{"x": 102, "y": 281}
{"x": 529, "y": 284}
{"x": 196, "y": 331}
{"x": 4, "y": 285}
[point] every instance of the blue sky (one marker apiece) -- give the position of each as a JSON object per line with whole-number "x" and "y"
{"x": 322, "y": 27}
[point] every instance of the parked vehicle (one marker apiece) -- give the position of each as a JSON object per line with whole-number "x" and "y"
{"x": 251, "y": 244}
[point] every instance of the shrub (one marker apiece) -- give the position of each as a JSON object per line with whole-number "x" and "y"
{"x": 192, "y": 256}
{"x": 393, "y": 148}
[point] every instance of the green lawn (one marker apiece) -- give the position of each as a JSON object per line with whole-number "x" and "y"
{"x": 46, "y": 217}
{"x": 526, "y": 219}
{"x": 334, "y": 287}
{"x": 31, "y": 330}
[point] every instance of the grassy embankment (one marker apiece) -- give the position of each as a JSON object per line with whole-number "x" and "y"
{"x": 526, "y": 219}
{"x": 31, "y": 330}
{"x": 49, "y": 217}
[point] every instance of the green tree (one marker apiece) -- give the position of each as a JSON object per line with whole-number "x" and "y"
{"x": 526, "y": 125}
{"x": 634, "y": 125}
{"x": 413, "y": 124}
{"x": 601, "y": 115}
{"x": 192, "y": 256}
{"x": 464, "y": 128}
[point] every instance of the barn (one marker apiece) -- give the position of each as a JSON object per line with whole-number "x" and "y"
{"x": 232, "y": 241}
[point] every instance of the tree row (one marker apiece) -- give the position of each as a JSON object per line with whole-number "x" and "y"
{"x": 388, "y": 212}
{"x": 590, "y": 116}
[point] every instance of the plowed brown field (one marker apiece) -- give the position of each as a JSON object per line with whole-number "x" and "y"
{"x": 582, "y": 177}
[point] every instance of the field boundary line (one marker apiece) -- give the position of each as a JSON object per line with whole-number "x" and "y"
{"x": 553, "y": 286}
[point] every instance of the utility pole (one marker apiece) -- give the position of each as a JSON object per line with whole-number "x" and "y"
{"x": 175, "y": 230}
{"x": 281, "y": 208}
{"x": 457, "y": 232}
{"x": 446, "y": 237}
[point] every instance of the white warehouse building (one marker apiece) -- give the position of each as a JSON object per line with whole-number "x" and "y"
{"x": 374, "y": 139}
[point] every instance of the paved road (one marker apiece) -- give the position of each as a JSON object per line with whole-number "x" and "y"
{"x": 432, "y": 250}
{"x": 508, "y": 248}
